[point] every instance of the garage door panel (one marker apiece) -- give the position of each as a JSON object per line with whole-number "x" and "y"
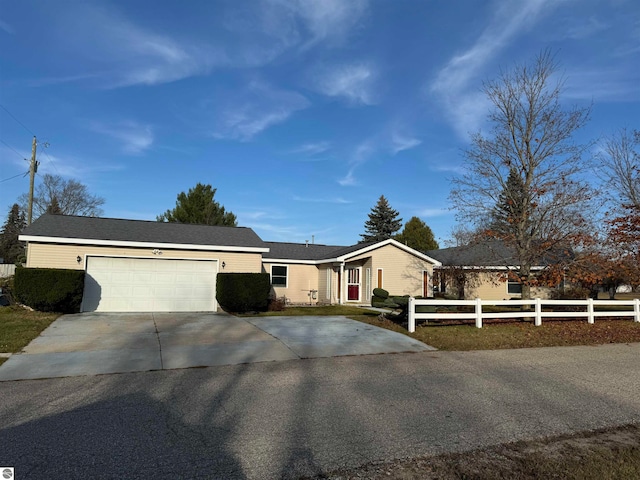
{"x": 136, "y": 284}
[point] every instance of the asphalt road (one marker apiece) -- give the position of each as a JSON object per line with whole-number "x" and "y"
{"x": 300, "y": 417}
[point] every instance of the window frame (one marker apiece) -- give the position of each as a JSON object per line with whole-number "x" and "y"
{"x": 286, "y": 276}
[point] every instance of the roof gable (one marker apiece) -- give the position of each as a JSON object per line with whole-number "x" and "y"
{"x": 315, "y": 254}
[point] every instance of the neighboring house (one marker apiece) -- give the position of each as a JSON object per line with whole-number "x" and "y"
{"x": 135, "y": 265}
{"x": 480, "y": 270}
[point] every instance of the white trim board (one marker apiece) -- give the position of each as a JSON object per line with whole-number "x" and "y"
{"x": 125, "y": 243}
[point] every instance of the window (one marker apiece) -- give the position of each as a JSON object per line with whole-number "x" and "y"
{"x": 514, "y": 287}
{"x": 279, "y": 275}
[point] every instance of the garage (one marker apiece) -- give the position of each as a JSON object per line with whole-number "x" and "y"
{"x": 124, "y": 284}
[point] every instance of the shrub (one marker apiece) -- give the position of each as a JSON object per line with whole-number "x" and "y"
{"x": 381, "y": 299}
{"x": 49, "y": 289}
{"x": 6, "y": 291}
{"x": 380, "y": 292}
{"x": 276, "y": 304}
{"x": 243, "y": 292}
{"x": 575, "y": 293}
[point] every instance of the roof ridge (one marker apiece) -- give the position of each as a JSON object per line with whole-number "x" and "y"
{"x": 139, "y": 220}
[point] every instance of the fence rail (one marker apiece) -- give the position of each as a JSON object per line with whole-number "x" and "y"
{"x": 536, "y": 313}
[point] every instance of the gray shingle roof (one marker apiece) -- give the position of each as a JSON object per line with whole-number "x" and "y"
{"x": 313, "y": 252}
{"x": 490, "y": 253}
{"x": 115, "y": 229}
{"x": 301, "y": 251}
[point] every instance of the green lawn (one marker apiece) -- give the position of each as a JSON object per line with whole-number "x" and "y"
{"x": 19, "y": 326}
{"x": 516, "y": 334}
{"x": 498, "y": 335}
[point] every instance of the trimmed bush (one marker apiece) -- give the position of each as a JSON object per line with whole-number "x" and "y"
{"x": 380, "y": 292}
{"x": 243, "y": 292}
{"x": 49, "y": 289}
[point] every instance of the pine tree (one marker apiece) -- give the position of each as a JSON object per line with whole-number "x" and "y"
{"x": 417, "y": 235}
{"x": 54, "y": 207}
{"x": 198, "y": 206}
{"x": 383, "y": 222}
{"x": 10, "y": 247}
{"x": 511, "y": 215}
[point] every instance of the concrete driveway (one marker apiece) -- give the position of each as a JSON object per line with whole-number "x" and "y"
{"x": 92, "y": 343}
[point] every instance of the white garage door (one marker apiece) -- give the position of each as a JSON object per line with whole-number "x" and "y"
{"x": 149, "y": 285}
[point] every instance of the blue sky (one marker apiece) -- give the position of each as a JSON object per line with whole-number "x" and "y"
{"x": 300, "y": 113}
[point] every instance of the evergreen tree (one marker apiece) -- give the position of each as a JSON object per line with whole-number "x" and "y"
{"x": 383, "y": 222}
{"x": 417, "y": 235}
{"x": 54, "y": 207}
{"x": 198, "y": 206}
{"x": 511, "y": 215}
{"x": 10, "y": 248}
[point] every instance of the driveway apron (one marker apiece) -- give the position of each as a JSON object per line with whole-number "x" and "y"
{"x": 93, "y": 343}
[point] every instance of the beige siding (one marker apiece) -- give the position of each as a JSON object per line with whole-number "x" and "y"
{"x": 50, "y": 255}
{"x": 402, "y": 271}
{"x": 492, "y": 286}
{"x": 300, "y": 280}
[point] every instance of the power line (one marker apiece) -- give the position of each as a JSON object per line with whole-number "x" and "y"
{"x": 11, "y": 148}
{"x": 50, "y": 160}
{"x": 15, "y": 176}
{"x": 19, "y": 122}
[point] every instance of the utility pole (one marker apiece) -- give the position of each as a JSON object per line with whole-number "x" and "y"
{"x": 33, "y": 168}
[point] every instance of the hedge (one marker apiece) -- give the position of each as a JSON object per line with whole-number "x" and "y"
{"x": 49, "y": 289}
{"x": 243, "y": 292}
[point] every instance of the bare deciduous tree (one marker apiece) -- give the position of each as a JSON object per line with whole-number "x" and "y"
{"x": 531, "y": 137}
{"x": 620, "y": 167}
{"x": 67, "y": 197}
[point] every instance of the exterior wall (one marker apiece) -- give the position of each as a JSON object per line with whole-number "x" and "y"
{"x": 492, "y": 286}
{"x": 301, "y": 279}
{"x": 51, "y": 255}
{"x": 402, "y": 272}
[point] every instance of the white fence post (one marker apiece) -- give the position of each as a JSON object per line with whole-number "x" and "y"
{"x": 538, "y": 320}
{"x": 590, "y": 310}
{"x": 636, "y": 309}
{"x": 412, "y": 315}
{"x": 478, "y": 313}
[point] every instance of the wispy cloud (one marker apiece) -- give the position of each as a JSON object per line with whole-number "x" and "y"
{"x": 584, "y": 30}
{"x": 129, "y": 54}
{"x": 134, "y": 137}
{"x": 256, "y": 109}
{"x": 70, "y": 166}
{"x": 465, "y": 108}
{"x": 360, "y": 155}
{"x": 352, "y": 82}
{"x": 401, "y": 142}
{"x": 603, "y": 85}
{"x": 5, "y": 27}
{"x": 330, "y": 19}
{"x": 311, "y": 149}
{"x": 335, "y": 200}
{"x": 276, "y": 27}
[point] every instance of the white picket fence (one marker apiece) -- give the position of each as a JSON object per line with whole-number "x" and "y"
{"x": 537, "y": 313}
